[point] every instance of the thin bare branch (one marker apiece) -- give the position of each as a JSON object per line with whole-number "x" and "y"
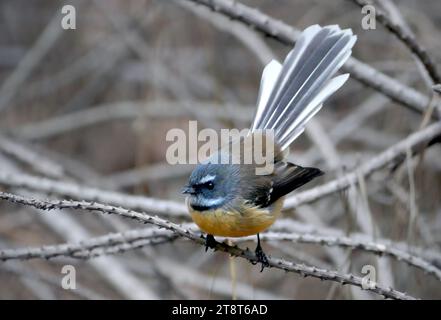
{"x": 407, "y": 39}
{"x": 291, "y": 226}
{"x": 78, "y": 191}
{"x": 196, "y": 237}
{"x": 154, "y": 172}
{"x": 133, "y": 239}
{"x": 416, "y": 142}
{"x": 346, "y": 242}
{"x": 93, "y": 247}
{"x": 23, "y": 153}
{"x": 287, "y": 35}
{"x": 128, "y": 110}
{"x": 33, "y": 57}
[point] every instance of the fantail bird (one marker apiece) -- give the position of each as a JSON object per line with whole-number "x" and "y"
{"x": 231, "y": 200}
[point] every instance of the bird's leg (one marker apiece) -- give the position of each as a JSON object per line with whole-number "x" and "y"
{"x": 210, "y": 242}
{"x": 261, "y": 256}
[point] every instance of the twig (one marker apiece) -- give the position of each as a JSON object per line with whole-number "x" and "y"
{"x": 245, "y": 35}
{"x": 109, "y": 268}
{"x": 368, "y": 246}
{"x": 396, "y": 17}
{"x": 153, "y": 172}
{"x": 195, "y": 237}
{"x": 112, "y": 270}
{"x": 24, "y": 154}
{"x": 408, "y": 40}
{"x": 185, "y": 277}
{"x": 86, "y": 64}
{"x": 347, "y": 126}
{"x": 287, "y": 35}
{"x": 78, "y": 191}
{"x": 93, "y": 247}
{"x": 128, "y": 110}
{"x": 416, "y": 141}
{"x": 33, "y": 57}
{"x": 292, "y": 226}
{"x": 28, "y": 273}
{"x": 133, "y": 239}
{"x": 318, "y": 135}
{"x": 413, "y": 208}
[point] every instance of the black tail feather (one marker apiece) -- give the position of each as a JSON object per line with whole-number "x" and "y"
{"x": 292, "y": 177}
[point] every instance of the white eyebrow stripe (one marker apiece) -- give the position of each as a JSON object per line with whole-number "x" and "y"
{"x": 207, "y": 178}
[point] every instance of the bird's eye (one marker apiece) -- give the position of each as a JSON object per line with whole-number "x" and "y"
{"x": 210, "y": 186}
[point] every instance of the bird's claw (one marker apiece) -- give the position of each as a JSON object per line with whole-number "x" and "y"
{"x": 210, "y": 242}
{"x": 261, "y": 258}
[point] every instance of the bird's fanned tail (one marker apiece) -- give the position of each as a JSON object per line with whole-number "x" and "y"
{"x": 292, "y": 93}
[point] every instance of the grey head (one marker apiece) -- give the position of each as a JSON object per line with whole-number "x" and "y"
{"x": 212, "y": 185}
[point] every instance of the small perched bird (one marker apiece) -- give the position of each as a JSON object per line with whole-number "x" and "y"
{"x": 231, "y": 200}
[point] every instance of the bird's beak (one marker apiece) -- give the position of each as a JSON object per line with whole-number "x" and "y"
{"x": 188, "y": 189}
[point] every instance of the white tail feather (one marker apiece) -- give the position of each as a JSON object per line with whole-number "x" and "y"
{"x": 311, "y": 109}
{"x": 269, "y": 78}
{"x": 290, "y": 95}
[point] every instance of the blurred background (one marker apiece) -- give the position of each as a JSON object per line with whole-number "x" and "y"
{"x": 92, "y": 106}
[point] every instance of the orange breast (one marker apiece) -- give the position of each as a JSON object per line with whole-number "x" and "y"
{"x": 249, "y": 221}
